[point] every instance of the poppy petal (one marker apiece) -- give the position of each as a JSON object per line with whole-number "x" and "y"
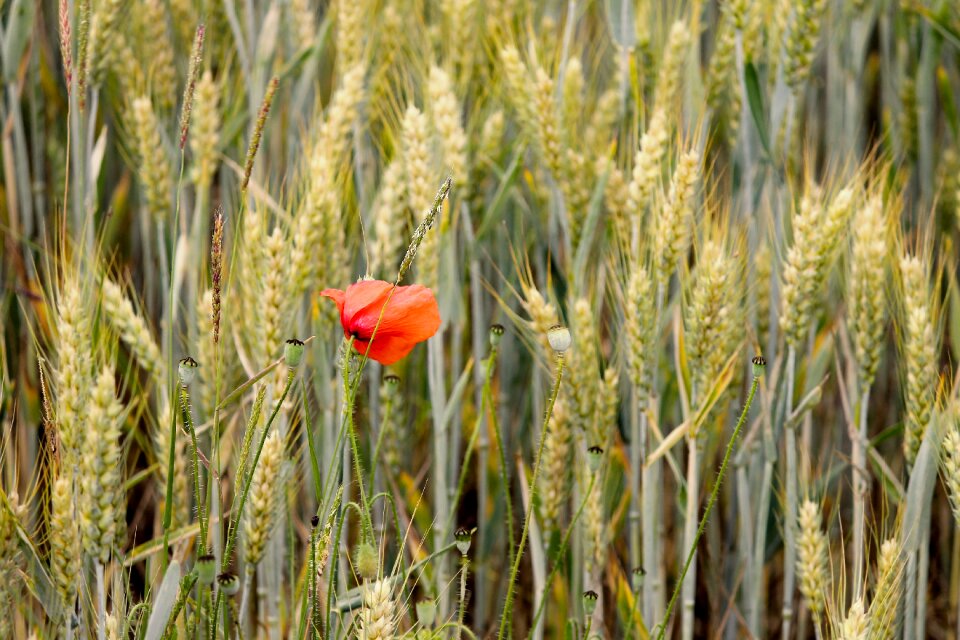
{"x": 413, "y": 314}
{"x": 406, "y": 315}
{"x": 337, "y": 296}
{"x": 365, "y": 297}
{"x": 386, "y": 350}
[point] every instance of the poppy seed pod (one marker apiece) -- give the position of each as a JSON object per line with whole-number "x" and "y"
{"x": 187, "y": 370}
{"x": 559, "y": 338}
{"x": 594, "y": 454}
{"x": 293, "y": 352}
{"x": 206, "y": 569}
{"x": 463, "y": 537}
{"x": 759, "y": 363}
{"x": 496, "y": 333}
{"x": 590, "y": 602}
{"x": 228, "y": 583}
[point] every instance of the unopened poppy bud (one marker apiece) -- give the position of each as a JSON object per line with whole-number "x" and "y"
{"x": 496, "y": 333}
{"x": 293, "y": 352}
{"x": 590, "y": 602}
{"x": 206, "y": 569}
{"x": 366, "y": 561}
{"x": 187, "y": 370}
{"x": 426, "y": 612}
{"x": 229, "y": 583}
{"x": 594, "y": 454}
{"x": 559, "y": 338}
{"x": 463, "y": 537}
{"x": 759, "y": 363}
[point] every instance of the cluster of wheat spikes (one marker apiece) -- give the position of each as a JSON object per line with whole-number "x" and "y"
{"x": 697, "y": 272}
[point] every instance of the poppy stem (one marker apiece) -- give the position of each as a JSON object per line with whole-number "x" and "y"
{"x": 662, "y": 627}
{"x": 238, "y": 512}
{"x": 349, "y": 396}
{"x": 508, "y": 606}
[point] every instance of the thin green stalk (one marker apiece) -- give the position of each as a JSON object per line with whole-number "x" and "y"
{"x": 465, "y": 467}
{"x": 237, "y": 512}
{"x": 199, "y": 496}
{"x": 562, "y": 550}
{"x": 649, "y": 498}
{"x": 186, "y": 586}
{"x": 859, "y": 470}
{"x": 462, "y": 607}
{"x": 638, "y": 433}
{"x": 504, "y": 470}
{"x": 662, "y": 627}
{"x": 168, "y": 500}
{"x": 349, "y": 398}
{"x": 790, "y": 515}
{"x": 693, "y": 506}
{"x": 101, "y": 604}
{"x": 508, "y": 606}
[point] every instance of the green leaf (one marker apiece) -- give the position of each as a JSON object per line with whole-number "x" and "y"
{"x": 948, "y": 101}
{"x": 19, "y": 27}
{"x": 163, "y": 605}
{"x": 940, "y": 24}
{"x": 590, "y": 224}
{"x": 755, "y": 98}
{"x": 497, "y": 205}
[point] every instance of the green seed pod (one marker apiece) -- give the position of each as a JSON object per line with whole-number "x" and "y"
{"x": 206, "y": 569}
{"x": 759, "y": 363}
{"x": 496, "y": 332}
{"x": 594, "y": 455}
{"x": 636, "y": 579}
{"x": 228, "y": 583}
{"x": 463, "y": 537}
{"x": 590, "y": 602}
{"x": 293, "y": 352}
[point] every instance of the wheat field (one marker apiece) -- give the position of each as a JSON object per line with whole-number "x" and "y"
{"x": 461, "y": 319}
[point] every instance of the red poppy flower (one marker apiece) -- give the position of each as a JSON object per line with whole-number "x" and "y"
{"x": 410, "y": 316}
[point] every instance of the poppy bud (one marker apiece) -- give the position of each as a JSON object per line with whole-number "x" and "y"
{"x": 559, "y": 338}
{"x": 187, "y": 370}
{"x": 366, "y": 560}
{"x": 426, "y": 612}
{"x": 759, "y": 363}
{"x": 636, "y": 578}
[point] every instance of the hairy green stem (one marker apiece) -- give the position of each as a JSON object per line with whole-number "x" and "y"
{"x": 511, "y": 583}
{"x": 662, "y": 627}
